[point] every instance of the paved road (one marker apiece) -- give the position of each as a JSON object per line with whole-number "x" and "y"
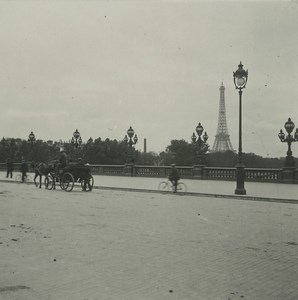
{"x": 114, "y": 244}
{"x": 222, "y": 188}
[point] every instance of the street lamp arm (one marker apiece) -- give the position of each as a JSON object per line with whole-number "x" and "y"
{"x": 281, "y": 136}
{"x": 296, "y": 135}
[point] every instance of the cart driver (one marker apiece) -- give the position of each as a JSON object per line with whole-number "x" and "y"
{"x": 80, "y": 162}
{"x": 63, "y": 162}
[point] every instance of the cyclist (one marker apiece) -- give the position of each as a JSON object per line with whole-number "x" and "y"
{"x": 24, "y": 169}
{"x": 174, "y": 177}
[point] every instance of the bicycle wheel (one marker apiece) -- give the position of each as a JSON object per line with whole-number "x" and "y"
{"x": 18, "y": 178}
{"x": 163, "y": 186}
{"x": 49, "y": 182}
{"x": 28, "y": 179}
{"x": 181, "y": 188}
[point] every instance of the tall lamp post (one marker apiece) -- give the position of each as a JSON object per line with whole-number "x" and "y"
{"x": 289, "y": 139}
{"x": 200, "y": 144}
{"x": 76, "y": 140}
{"x": 240, "y": 80}
{"x": 31, "y": 139}
{"x": 131, "y": 140}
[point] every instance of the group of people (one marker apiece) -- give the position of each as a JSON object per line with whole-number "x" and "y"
{"x": 10, "y": 168}
{"x": 60, "y": 163}
{"x": 24, "y": 168}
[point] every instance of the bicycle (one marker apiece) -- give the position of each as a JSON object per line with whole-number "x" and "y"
{"x": 166, "y": 186}
{"x": 18, "y": 178}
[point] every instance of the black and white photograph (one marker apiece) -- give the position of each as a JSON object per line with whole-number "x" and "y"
{"x": 148, "y": 150}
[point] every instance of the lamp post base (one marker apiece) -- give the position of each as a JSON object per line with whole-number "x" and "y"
{"x": 198, "y": 171}
{"x": 129, "y": 170}
{"x": 240, "y": 191}
{"x": 240, "y": 174}
{"x": 289, "y": 162}
{"x": 288, "y": 175}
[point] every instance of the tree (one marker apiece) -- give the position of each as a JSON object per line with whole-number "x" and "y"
{"x": 222, "y": 159}
{"x": 148, "y": 159}
{"x": 179, "y": 152}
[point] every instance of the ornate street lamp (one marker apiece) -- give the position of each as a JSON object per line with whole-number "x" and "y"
{"x": 131, "y": 140}
{"x": 31, "y": 139}
{"x": 199, "y": 143}
{"x": 76, "y": 140}
{"x": 240, "y": 80}
{"x": 289, "y": 138}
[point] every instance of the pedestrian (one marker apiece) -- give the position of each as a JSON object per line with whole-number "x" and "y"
{"x": 24, "y": 169}
{"x": 174, "y": 177}
{"x": 9, "y": 166}
{"x": 87, "y": 182}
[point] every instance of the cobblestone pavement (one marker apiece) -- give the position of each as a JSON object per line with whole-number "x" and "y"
{"x": 111, "y": 244}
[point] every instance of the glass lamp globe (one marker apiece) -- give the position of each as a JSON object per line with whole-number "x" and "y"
{"x": 76, "y": 134}
{"x": 130, "y": 132}
{"x": 240, "y": 81}
{"x": 289, "y": 126}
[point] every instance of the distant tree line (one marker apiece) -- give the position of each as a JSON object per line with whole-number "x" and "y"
{"x": 115, "y": 152}
{"x": 185, "y": 154}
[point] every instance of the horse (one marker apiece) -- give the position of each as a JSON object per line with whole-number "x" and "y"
{"x": 42, "y": 169}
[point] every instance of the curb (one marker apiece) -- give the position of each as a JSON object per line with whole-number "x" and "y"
{"x": 224, "y": 196}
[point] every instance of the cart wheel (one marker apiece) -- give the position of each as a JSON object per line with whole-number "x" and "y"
{"x": 49, "y": 182}
{"x": 67, "y": 182}
{"x": 88, "y": 186}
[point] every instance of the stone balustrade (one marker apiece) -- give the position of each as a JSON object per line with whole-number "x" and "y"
{"x": 287, "y": 175}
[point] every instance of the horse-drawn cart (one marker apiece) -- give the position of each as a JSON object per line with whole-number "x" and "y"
{"x": 68, "y": 176}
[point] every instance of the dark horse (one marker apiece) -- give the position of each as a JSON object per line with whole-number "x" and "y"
{"x": 42, "y": 169}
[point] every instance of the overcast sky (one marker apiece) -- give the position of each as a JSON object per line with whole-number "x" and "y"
{"x": 102, "y": 66}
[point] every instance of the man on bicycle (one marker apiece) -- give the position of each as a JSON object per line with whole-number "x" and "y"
{"x": 174, "y": 177}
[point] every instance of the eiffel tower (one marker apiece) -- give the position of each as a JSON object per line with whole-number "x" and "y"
{"x": 222, "y": 139}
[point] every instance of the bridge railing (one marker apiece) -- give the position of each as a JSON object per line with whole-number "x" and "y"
{"x": 195, "y": 172}
{"x": 212, "y": 173}
{"x": 251, "y": 174}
